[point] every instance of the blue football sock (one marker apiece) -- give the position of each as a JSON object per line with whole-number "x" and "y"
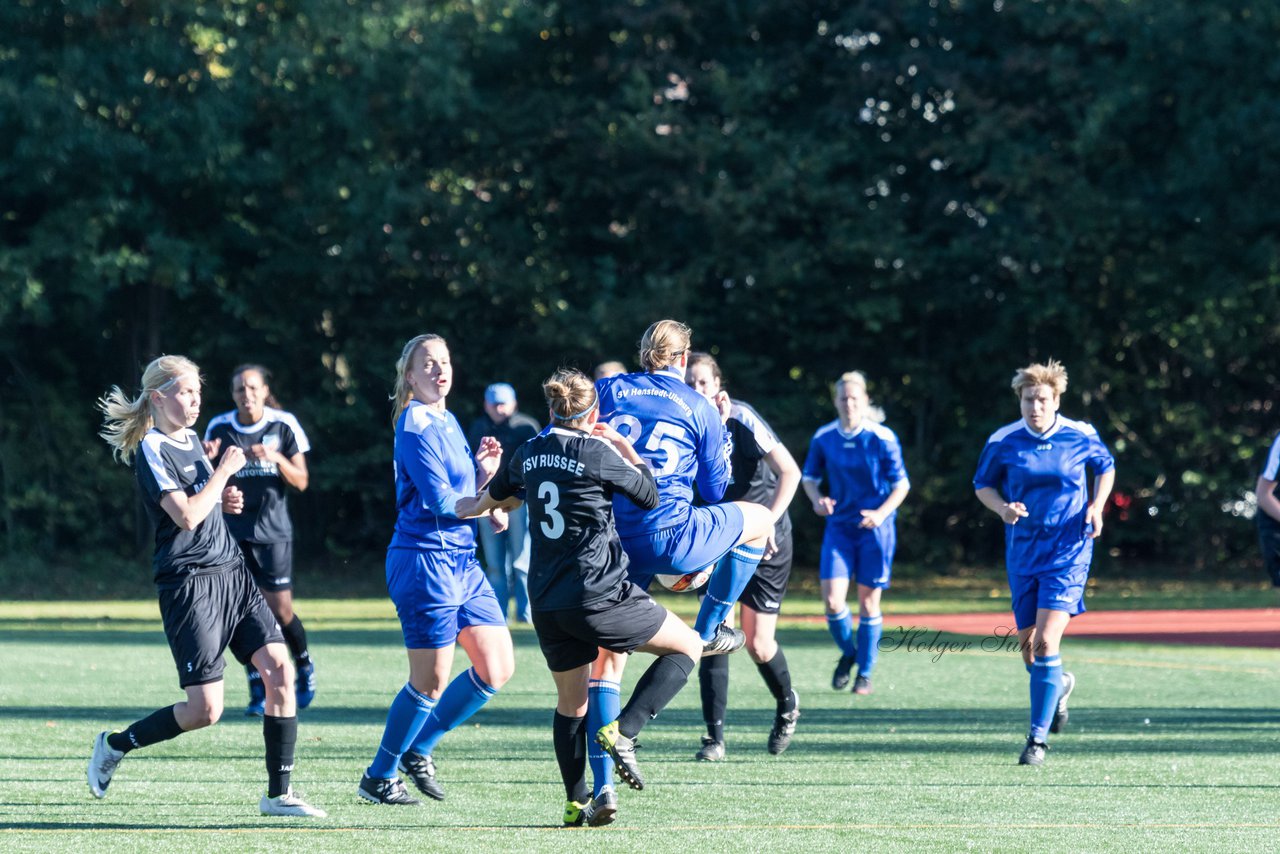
{"x": 462, "y": 699}
{"x": 408, "y": 710}
{"x": 841, "y": 628}
{"x": 869, "y": 631}
{"x": 1046, "y": 682}
{"x": 726, "y": 584}
{"x": 604, "y": 702}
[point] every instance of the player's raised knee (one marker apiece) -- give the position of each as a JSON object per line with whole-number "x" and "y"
{"x": 202, "y": 713}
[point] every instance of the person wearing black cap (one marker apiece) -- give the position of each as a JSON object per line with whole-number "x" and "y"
{"x": 506, "y": 555}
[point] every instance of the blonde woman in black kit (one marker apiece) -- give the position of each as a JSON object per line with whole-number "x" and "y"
{"x": 208, "y": 600}
{"x": 578, "y": 588}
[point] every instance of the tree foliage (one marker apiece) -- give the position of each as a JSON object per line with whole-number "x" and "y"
{"x": 934, "y": 193}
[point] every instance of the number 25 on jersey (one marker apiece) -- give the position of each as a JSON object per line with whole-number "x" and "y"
{"x": 661, "y": 447}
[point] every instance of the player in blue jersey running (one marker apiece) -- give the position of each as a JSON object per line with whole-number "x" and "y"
{"x": 440, "y": 592}
{"x": 861, "y": 462}
{"x": 208, "y": 601}
{"x": 1034, "y": 475}
{"x": 275, "y": 448}
{"x": 1269, "y": 512}
{"x": 681, "y": 437}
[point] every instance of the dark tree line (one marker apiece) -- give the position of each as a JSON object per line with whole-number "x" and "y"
{"x": 934, "y": 193}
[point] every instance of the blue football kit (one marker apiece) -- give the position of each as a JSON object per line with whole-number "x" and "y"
{"x": 1268, "y": 528}
{"x": 680, "y": 437}
{"x": 861, "y": 468}
{"x": 1047, "y": 552}
{"x": 434, "y": 579}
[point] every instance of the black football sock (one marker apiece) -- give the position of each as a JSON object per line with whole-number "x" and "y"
{"x": 296, "y": 637}
{"x": 659, "y": 684}
{"x": 569, "y": 736}
{"x": 280, "y": 736}
{"x": 160, "y": 725}
{"x": 778, "y": 678}
{"x": 713, "y": 684}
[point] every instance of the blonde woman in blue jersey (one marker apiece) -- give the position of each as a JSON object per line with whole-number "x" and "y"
{"x": 861, "y": 462}
{"x": 440, "y": 591}
{"x": 1034, "y": 475}
{"x": 681, "y": 437}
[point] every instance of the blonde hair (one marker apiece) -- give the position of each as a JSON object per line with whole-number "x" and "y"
{"x": 859, "y": 379}
{"x": 662, "y": 344}
{"x": 1051, "y": 374}
{"x": 571, "y": 395}
{"x": 127, "y": 421}
{"x": 403, "y": 391}
{"x": 856, "y": 378}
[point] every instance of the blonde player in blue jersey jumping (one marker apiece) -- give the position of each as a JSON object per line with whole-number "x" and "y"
{"x": 861, "y": 462}
{"x": 1034, "y": 475}
{"x": 681, "y": 437}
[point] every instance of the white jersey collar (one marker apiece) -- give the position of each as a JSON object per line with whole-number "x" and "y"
{"x": 1053, "y": 428}
{"x": 434, "y": 413}
{"x": 862, "y": 425}
{"x": 185, "y": 443}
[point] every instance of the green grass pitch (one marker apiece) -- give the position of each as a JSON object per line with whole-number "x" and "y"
{"x": 1169, "y": 748}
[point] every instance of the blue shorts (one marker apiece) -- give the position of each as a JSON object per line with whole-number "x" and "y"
{"x": 864, "y": 556}
{"x": 704, "y": 538}
{"x": 439, "y": 593}
{"x": 1056, "y": 589}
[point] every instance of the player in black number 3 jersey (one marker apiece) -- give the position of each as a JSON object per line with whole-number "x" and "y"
{"x": 578, "y": 588}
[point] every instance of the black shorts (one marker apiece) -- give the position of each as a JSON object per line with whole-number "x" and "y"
{"x": 763, "y": 593}
{"x": 1269, "y": 539}
{"x": 210, "y": 613}
{"x": 270, "y": 564}
{"x": 571, "y": 638}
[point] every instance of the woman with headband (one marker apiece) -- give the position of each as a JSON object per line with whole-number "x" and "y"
{"x": 582, "y": 601}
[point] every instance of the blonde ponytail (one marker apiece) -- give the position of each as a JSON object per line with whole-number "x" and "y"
{"x": 127, "y": 421}
{"x": 662, "y": 344}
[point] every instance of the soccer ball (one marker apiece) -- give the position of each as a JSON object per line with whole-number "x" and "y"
{"x": 684, "y": 583}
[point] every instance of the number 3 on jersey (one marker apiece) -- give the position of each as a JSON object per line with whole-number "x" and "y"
{"x": 663, "y": 439}
{"x": 550, "y": 493}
